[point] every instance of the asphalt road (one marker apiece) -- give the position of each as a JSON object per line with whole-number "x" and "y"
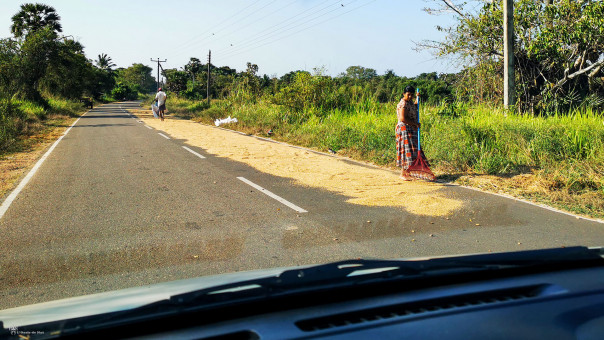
{"x": 118, "y": 204}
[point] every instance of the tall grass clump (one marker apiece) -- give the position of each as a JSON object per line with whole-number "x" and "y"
{"x": 493, "y": 142}
{"x": 64, "y": 107}
{"x": 12, "y": 119}
{"x": 22, "y": 118}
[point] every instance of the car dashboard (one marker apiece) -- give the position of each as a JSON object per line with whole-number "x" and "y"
{"x": 551, "y": 305}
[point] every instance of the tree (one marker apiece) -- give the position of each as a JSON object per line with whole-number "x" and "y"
{"x": 138, "y": 77}
{"x": 36, "y": 53}
{"x": 9, "y": 60}
{"x": 559, "y": 49}
{"x": 360, "y": 73}
{"x": 105, "y": 63}
{"x": 69, "y": 74}
{"x": 104, "y": 75}
{"x": 176, "y": 80}
{"x": 122, "y": 91}
{"x": 34, "y": 17}
{"x": 389, "y": 74}
{"x": 289, "y": 77}
{"x": 193, "y": 67}
{"x": 252, "y": 69}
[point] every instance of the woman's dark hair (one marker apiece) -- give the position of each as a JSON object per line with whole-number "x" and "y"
{"x": 409, "y": 89}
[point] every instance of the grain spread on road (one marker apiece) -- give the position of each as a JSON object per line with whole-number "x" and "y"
{"x": 364, "y": 185}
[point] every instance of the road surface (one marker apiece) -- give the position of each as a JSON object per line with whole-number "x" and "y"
{"x": 118, "y": 204}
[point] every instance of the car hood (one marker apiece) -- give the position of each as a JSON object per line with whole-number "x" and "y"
{"x": 123, "y": 299}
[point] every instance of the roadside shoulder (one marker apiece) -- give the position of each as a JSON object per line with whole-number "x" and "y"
{"x": 15, "y": 165}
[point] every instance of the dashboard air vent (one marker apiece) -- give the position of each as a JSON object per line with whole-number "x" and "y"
{"x": 419, "y": 307}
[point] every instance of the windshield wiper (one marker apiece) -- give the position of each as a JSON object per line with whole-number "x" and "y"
{"x": 353, "y": 271}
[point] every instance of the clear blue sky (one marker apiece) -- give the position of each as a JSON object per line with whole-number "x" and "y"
{"x": 277, "y": 35}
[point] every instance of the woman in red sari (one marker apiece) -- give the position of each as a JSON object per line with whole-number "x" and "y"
{"x": 406, "y": 132}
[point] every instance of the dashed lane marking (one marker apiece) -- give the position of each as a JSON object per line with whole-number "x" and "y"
{"x": 193, "y": 152}
{"x": 270, "y": 194}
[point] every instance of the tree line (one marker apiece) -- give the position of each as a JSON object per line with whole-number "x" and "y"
{"x": 299, "y": 89}
{"x": 38, "y": 62}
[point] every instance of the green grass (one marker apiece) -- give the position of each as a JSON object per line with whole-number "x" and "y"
{"x": 20, "y": 119}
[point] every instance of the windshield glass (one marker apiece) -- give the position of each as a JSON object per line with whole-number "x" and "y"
{"x": 148, "y": 142}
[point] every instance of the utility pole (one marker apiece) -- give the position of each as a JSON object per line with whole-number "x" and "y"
{"x": 508, "y": 54}
{"x": 165, "y": 76}
{"x": 208, "y": 88}
{"x": 158, "y": 67}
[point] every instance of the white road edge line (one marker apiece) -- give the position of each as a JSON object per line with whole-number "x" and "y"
{"x": 161, "y": 134}
{"x": 270, "y": 194}
{"x": 9, "y": 200}
{"x": 543, "y": 206}
{"x": 148, "y": 127}
{"x": 193, "y": 152}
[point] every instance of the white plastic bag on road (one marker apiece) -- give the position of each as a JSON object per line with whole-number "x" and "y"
{"x": 155, "y": 110}
{"x": 219, "y": 122}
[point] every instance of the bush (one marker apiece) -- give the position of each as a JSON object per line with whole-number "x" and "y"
{"x": 123, "y": 92}
{"x": 198, "y": 106}
{"x": 31, "y": 110}
{"x": 193, "y": 92}
{"x": 214, "y": 113}
{"x": 11, "y": 122}
{"x": 65, "y": 107}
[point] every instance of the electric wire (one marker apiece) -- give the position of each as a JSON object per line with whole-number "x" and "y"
{"x": 230, "y": 17}
{"x": 215, "y": 35}
{"x": 280, "y": 23}
{"x": 264, "y": 42}
{"x": 259, "y": 36}
{"x": 217, "y": 25}
{"x": 260, "y": 19}
{"x": 223, "y": 57}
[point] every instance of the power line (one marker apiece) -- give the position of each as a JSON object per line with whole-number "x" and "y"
{"x": 278, "y": 24}
{"x": 215, "y": 29}
{"x": 217, "y": 25}
{"x": 260, "y": 36}
{"x": 259, "y": 19}
{"x": 281, "y": 38}
{"x": 268, "y": 36}
{"x": 248, "y": 47}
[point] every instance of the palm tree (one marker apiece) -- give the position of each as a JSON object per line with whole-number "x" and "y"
{"x": 105, "y": 63}
{"x": 33, "y": 17}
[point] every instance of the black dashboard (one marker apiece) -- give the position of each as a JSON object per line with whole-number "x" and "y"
{"x": 550, "y": 305}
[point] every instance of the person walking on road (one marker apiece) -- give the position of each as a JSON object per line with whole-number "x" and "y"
{"x": 160, "y": 97}
{"x": 406, "y": 132}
